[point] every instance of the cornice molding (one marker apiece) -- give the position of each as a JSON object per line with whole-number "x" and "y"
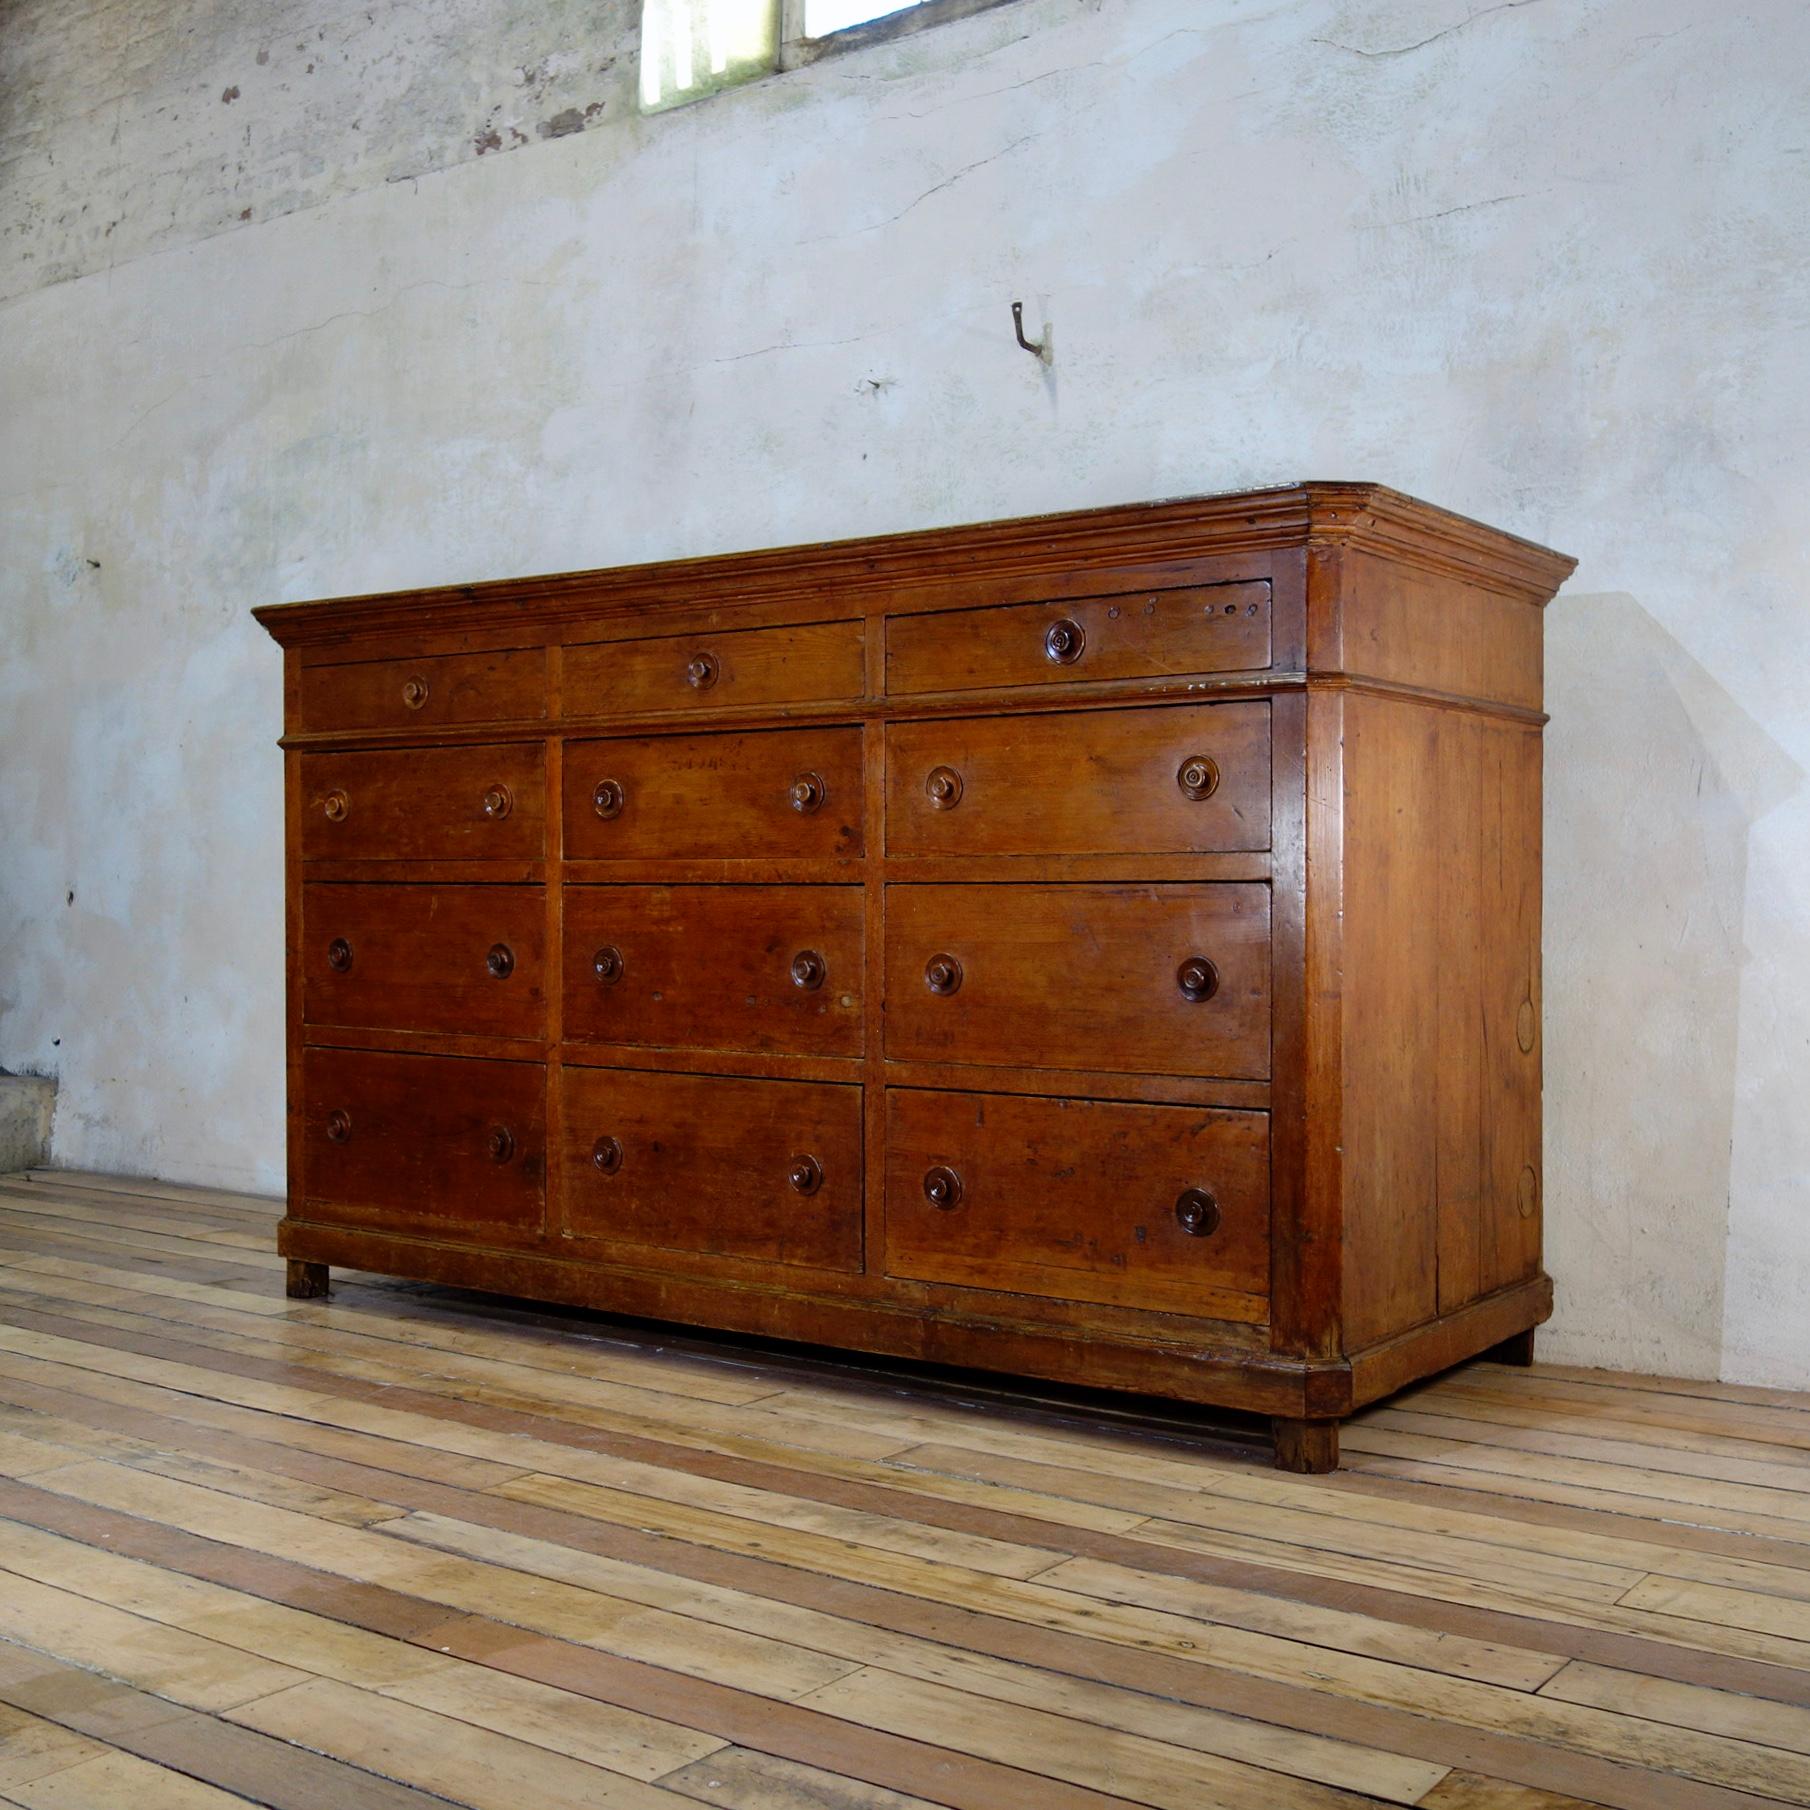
{"x": 1375, "y": 519}
{"x": 1314, "y": 515}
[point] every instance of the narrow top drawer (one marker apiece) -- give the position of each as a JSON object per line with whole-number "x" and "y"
{"x": 505, "y": 687}
{"x": 799, "y": 663}
{"x": 1129, "y": 635}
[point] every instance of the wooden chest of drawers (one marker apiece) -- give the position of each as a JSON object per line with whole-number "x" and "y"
{"x": 1104, "y": 947}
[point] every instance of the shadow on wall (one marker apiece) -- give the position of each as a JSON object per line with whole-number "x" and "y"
{"x": 1654, "y": 778}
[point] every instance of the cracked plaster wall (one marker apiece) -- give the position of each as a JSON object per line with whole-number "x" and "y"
{"x": 129, "y": 126}
{"x": 1542, "y": 262}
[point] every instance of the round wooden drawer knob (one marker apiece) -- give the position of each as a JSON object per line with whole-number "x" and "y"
{"x": 943, "y": 975}
{"x": 606, "y": 1156}
{"x": 607, "y": 800}
{"x": 1198, "y": 776}
{"x": 805, "y": 1175}
{"x": 944, "y": 786}
{"x": 335, "y": 805}
{"x": 1198, "y": 978}
{"x": 1197, "y": 1213}
{"x": 606, "y": 964}
{"x": 806, "y": 794}
{"x": 499, "y": 801}
{"x": 339, "y": 1126}
{"x": 500, "y": 961}
{"x": 414, "y": 691}
{"x": 1064, "y": 641}
{"x": 809, "y": 970}
{"x": 943, "y": 1187}
{"x": 339, "y": 955}
{"x": 701, "y": 671}
{"x": 501, "y": 1144}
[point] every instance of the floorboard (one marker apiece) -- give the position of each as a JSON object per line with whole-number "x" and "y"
{"x": 404, "y": 1547}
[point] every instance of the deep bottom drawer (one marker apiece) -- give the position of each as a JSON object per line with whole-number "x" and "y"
{"x": 1138, "y": 1206}
{"x": 769, "y": 1170}
{"x": 423, "y": 1143}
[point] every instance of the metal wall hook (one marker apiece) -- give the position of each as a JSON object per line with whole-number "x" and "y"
{"x": 1042, "y": 351}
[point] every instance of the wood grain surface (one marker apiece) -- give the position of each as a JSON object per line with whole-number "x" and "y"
{"x": 405, "y": 1547}
{"x": 1216, "y": 818}
{"x": 1081, "y": 782}
{"x": 799, "y": 663}
{"x": 1081, "y": 976}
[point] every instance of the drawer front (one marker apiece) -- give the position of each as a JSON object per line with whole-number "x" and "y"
{"x": 753, "y": 968}
{"x": 1185, "y": 779}
{"x": 803, "y": 663}
{"x": 425, "y": 958}
{"x": 423, "y": 1143}
{"x": 413, "y": 694}
{"x": 425, "y": 804}
{"x": 1133, "y": 635}
{"x": 777, "y": 793}
{"x": 1141, "y": 1206}
{"x": 769, "y": 1170}
{"x": 1171, "y": 979}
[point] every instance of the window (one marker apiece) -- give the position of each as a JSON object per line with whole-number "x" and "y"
{"x": 690, "y": 48}
{"x": 821, "y": 17}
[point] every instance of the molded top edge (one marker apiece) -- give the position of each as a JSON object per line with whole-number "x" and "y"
{"x": 1316, "y": 514}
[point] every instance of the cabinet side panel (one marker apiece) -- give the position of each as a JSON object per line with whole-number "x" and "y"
{"x": 1389, "y": 1052}
{"x": 1508, "y": 811}
{"x": 1440, "y": 1051}
{"x": 1409, "y": 627}
{"x": 1461, "y": 835}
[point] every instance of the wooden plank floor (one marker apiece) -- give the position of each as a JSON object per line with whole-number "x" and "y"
{"x": 406, "y": 1547}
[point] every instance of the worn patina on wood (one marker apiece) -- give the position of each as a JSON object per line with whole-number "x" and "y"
{"x": 820, "y": 942}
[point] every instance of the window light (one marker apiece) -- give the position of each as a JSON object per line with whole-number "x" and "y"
{"x": 690, "y": 48}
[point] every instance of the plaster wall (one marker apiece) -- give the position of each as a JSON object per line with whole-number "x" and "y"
{"x": 1541, "y": 261}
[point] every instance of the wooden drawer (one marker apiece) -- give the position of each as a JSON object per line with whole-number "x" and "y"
{"x": 773, "y": 793}
{"x": 769, "y": 1170}
{"x": 1072, "y": 976}
{"x": 425, "y": 804}
{"x": 1139, "y": 1206}
{"x": 425, "y": 958}
{"x": 1183, "y": 779}
{"x": 416, "y": 694}
{"x": 761, "y": 968}
{"x": 423, "y": 1143}
{"x": 802, "y": 663}
{"x": 1130, "y": 635}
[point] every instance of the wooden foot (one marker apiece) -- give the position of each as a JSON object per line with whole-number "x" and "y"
{"x": 304, "y": 1281}
{"x": 1309, "y": 1446}
{"x": 1517, "y": 1351}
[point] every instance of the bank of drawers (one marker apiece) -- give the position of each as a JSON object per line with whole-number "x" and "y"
{"x": 1148, "y": 633}
{"x": 1114, "y": 1201}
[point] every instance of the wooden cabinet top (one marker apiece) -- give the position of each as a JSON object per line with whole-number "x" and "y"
{"x": 989, "y": 562}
